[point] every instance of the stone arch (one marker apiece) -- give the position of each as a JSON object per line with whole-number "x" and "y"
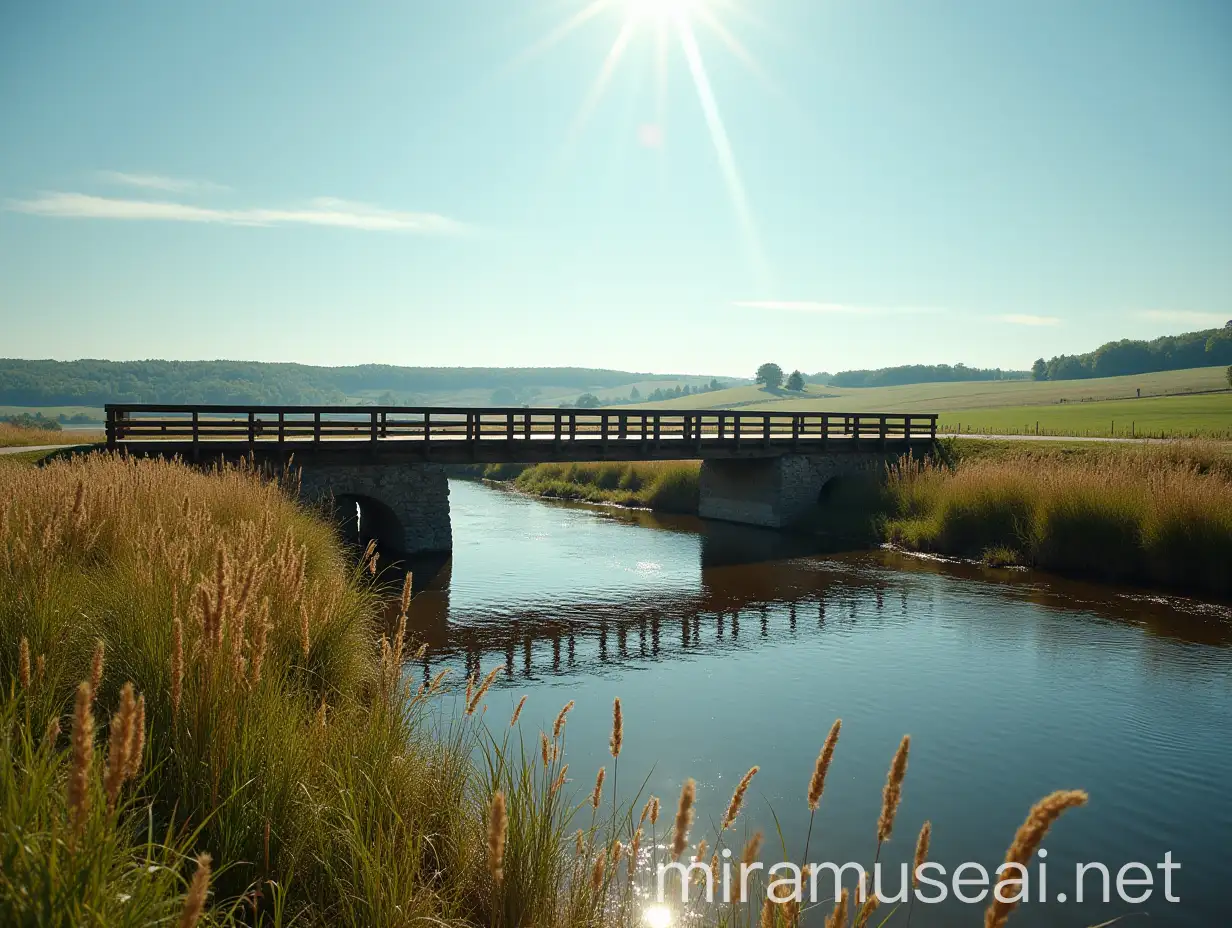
{"x": 363, "y": 518}
{"x": 404, "y": 507}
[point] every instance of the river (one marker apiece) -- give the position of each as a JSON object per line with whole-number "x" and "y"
{"x": 730, "y": 646}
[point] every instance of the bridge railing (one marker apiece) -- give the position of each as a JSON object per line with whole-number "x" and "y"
{"x": 378, "y": 424}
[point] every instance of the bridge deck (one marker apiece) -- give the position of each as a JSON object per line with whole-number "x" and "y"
{"x": 522, "y": 435}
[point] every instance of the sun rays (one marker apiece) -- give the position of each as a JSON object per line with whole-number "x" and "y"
{"x": 667, "y": 23}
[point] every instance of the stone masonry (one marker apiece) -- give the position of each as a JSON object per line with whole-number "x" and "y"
{"x": 774, "y": 492}
{"x": 405, "y": 507}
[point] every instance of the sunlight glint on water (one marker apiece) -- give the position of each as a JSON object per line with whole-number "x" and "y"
{"x": 731, "y": 647}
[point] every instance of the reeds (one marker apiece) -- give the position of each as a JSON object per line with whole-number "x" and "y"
{"x": 1027, "y": 840}
{"x": 498, "y": 824}
{"x": 279, "y": 749}
{"x": 892, "y": 795}
{"x": 618, "y": 729}
{"x": 78, "y": 790}
{"x": 737, "y": 799}
{"x": 668, "y": 486}
{"x": 194, "y": 902}
{"x": 1160, "y": 514}
{"x": 684, "y": 818}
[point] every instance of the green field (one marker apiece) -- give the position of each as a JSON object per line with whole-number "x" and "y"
{"x": 1208, "y": 415}
{"x": 52, "y": 412}
{"x": 1189, "y": 402}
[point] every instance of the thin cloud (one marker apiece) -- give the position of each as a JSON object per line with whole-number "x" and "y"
{"x": 323, "y": 211}
{"x": 799, "y": 306}
{"x": 161, "y": 182}
{"x": 1182, "y": 315}
{"x": 811, "y": 306}
{"x": 1027, "y": 319}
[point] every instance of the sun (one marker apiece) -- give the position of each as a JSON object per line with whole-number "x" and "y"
{"x": 661, "y": 10}
{"x": 668, "y": 22}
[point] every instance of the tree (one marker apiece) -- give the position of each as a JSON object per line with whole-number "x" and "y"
{"x": 770, "y": 375}
{"x": 634, "y": 395}
{"x": 503, "y": 396}
{"x": 588, "y": 401}
{"x": 1229, "y": 373}
{"x": 1039, "y": 370}
{"x": 795, "y": 383}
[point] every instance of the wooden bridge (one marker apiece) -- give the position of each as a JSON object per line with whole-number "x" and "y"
{"x": 523, "y": 435}
{"x": 381, "y": 466}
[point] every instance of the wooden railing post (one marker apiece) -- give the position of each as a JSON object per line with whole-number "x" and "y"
{"x": 603, "y": 432}
{"x": 795, "y": 431}
{"x": 657, "y": 424}
{"x": 881, "y": 436}
{"x": 765, "y": 430}
{"x": 643, "y": 440}
{"x": 316, "y": 428}
{"x": 556, "y": 431}
{"x": 372, "y": 428}
{"x": 572, "y": 426}
{"x": 427, "y": 429}
{"x": 526, "y": 426}
{"x": 933, "y": 430}
{"x": 736, "y": 431}
{"x": 722, "y": 420}
{"x": 509, "y": 427}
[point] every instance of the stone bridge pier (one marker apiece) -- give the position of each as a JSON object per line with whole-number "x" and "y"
{"x": 776, "y": 491}
{"x": 403, "y": 507}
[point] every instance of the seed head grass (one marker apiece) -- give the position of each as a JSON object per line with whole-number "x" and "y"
{"x": 259, "y": 716}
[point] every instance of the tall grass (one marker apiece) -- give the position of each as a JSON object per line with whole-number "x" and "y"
{"x": 265, "y": 762}
{"x": 667, "y": 486}
{"x": 1158, "y": 514}
{"x": 16, "y": 436}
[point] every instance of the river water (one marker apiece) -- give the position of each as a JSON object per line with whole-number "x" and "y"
{"x": 730, "y": 646}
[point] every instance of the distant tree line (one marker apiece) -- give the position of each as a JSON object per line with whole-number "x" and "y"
{"x": 590, "y": 401}
{"x": 1207, "y": 348}
{"x": 915, "y": 373}
{"x": 37, "y": 421}
{"x": 93, "y": 383}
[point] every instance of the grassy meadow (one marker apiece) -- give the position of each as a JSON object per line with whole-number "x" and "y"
{"x": 1152, "y": 514}
{"x": 15, "y": 436}
{"x": 1168, "y": 405}
{"x": 205, "y": 722}
{"x": 1208, "y": 415}
{"x": 667, "y": 486}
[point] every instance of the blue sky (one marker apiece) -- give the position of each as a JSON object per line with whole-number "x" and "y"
{"x": 826, "y": 183}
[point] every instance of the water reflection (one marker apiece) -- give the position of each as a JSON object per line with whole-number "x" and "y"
{"x": 720, "y": 587}
{"x": 732, "y": 647}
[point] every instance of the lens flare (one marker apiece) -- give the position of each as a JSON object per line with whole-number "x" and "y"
{"x": 657, "y": 916}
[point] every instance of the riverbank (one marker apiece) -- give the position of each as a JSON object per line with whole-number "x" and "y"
{"x": 1157, "y": 514}
{"x": 257, "y": 715}
{"x": 664, "y": 486}
{"x": 204, "y": 721}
